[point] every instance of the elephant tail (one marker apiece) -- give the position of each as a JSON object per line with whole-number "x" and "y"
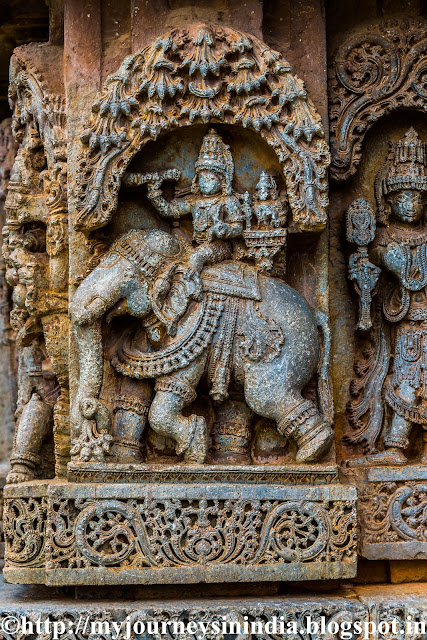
{"x": 324, "y": 385}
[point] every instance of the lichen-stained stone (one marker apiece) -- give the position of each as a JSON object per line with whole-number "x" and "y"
{"x": 381, "y": 612}
{"x": 396, "y": 611}
{"x": 392, "y": 511}
{"x": 185, "y": 390}
{"x": 76, "y": 534}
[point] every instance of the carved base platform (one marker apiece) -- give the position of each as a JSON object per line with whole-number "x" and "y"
{"x": 88, "y": 616}
{"x": 392, "y": 511}
{"x": 241, "y": 474}
{"x": 63, "y": 533}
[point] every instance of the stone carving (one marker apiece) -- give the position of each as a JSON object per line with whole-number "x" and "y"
{"x": 270, "y": 212}
{"x": 234, "y": 473}
{"x": 25, "y": 531}
{"x": 394, "y": 513}
{"x": 392, "y": 508}
{"x": 7, "y": 343}
{"x": 247, "y": 618}
{"x": 227, "y": 319}
{"x": 182, "y": 536}
{"x": 36, "y": 255}
{"x": 375, "y": 71}
{"x": 400, "y": 313}
{"x": 199, "y": 315}
{"x": 184, "y": 333}
{"x": 204, "y": 74}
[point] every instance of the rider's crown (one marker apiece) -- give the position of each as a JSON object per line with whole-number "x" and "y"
{"x": 215, "y": 156}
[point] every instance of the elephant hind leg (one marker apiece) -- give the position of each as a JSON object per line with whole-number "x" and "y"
{"x": 165, "y": 417}
{"x": 311, "y": 431}
{"x": 296, "y": 418}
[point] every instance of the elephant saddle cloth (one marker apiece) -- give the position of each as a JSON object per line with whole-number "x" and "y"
{"x": 227, "y": 318}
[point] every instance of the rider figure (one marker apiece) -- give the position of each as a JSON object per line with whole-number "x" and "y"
{"x": 216, "y": 210}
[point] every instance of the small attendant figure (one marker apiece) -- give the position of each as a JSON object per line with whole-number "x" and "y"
{"x": 270, "y": 211}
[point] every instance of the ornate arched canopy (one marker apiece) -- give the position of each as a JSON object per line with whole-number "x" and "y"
{"x": 203, "y": 74}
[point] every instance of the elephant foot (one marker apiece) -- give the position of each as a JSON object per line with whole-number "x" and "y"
{"x": 392, "y": 456}
{"x": 197, "y": 449}
{"x": 127, "y": 451}
{"x": 23, "y": 467}
{"x": 315, "y": 443}
{"x": 20, "y": 473}
{"x": 311, "y": 431}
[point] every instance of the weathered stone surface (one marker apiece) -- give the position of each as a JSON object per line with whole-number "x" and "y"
{"x": 72, "y": 533}
{"x": 253, "y": 474}
{"x": 392, "y": 503}
{"x": 171, "y": 182}
{"x": 234, "y": 613}
{"x": 403, "y": 606}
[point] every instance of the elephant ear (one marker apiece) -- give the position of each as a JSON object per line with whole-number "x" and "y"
{"x": 173, "y": 291}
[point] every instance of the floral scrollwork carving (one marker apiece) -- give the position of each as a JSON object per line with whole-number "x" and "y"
{"x": 109, "y": 533}
{"x": 24, "y": 531}
{"x": 177, "y": 533}
{"x": 374, "y": 72}
{"x": 295, "y": 531}
{"x": 395, "y": 512}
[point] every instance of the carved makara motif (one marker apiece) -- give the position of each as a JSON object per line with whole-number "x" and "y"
{"x": 375, "y": 71}
{"x": 393, "y": 363}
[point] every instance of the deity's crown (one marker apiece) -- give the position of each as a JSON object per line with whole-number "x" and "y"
{"x": 407, "y": 164}
{"x": 215, "y": 156}
{"x": 266, "y": 181}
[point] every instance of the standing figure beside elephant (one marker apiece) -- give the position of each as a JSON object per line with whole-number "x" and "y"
{"x": 395, "y": 271}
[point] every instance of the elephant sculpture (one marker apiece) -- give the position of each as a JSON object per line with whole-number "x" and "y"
{"x": 230, "y": 322}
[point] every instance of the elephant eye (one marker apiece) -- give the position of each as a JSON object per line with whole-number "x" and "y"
{"x": 110, "y": 260}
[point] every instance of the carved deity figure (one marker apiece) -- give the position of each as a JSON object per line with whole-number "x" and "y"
{"x": 26, "y": 271}
{"x": 269, "y": 209}
{"x": 202, "y": 316}
{"x": 269, "y": 212}
{"x": 393, "y": 270}
{"x": 216, "y": 211}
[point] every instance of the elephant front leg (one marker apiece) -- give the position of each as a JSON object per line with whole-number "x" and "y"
{"x": 130, "y": 419}
{"x": 174, "y": 392}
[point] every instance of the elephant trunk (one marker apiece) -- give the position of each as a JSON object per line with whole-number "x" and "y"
{"x": 91, "y": 364}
